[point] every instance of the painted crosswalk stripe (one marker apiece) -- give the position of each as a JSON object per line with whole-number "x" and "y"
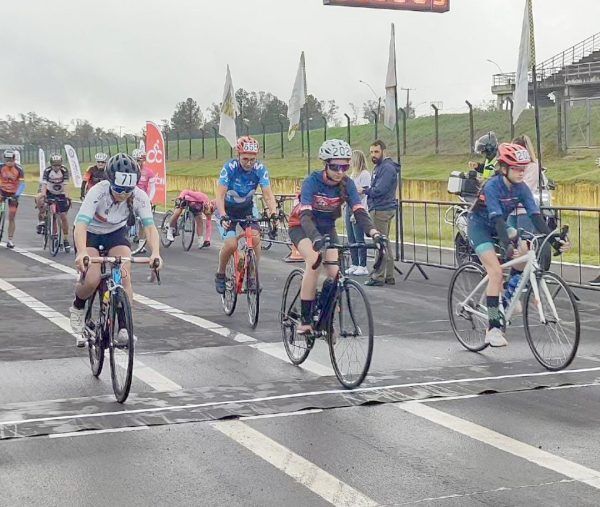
{"x": 142, "y": 372}
{"x": 277, "y": 350}
{"x": 87, "y": 433}
{"x": 504, "y": 443}
{"x": 320, "y": 482}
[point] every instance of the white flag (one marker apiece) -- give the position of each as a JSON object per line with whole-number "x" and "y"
{"x": 142, "y": 145}
{"x": 74, "y": 165}
{"x": 391, "y": 115}
{"x": 228, "y": 111}
{"x": 521, "y": 95}
{"x": 297, "y": 100}
{"x": 17, "y": 157}
{"x": 42, "y": 159}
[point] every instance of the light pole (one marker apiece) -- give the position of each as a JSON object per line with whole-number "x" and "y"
{"x": 498, "y": 66}
{"x": 378, "y": 103}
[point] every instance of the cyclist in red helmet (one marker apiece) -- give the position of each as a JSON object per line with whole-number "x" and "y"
{"x": 497, "y": 200}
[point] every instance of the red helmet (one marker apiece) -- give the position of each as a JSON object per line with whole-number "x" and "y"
{"x": 247, "y": 144}
{"x": 513, "y": 155}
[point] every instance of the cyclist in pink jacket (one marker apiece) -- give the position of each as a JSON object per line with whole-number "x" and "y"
{"x": 201, "y": 207}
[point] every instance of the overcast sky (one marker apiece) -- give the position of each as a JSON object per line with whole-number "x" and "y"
{"x": 121, "y": 62}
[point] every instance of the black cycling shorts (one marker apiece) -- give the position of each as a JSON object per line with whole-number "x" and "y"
{"x": 297, "y": 234}
{"x": 63, "y": 203}
{"x": 108, "y": 241}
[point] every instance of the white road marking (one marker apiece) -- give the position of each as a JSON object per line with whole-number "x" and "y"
{"x": 86, "y": 433}
{"x": 507, "y": 444}
{"x": 39, "y": 278}
{"x": 298, "y": 468}
{"x": 277, "y": 350}
{"x": 282, "y": 414}
{"x": 142, "y": 372}
{"x": 306, "y": 394}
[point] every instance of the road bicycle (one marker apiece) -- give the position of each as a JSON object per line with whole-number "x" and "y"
{"x": 136, "y": 236}
{"x": 270, "y": 236}
{"x": 108, "y": 311}
{"x": 53, "y": 233}
{"x": 342, "y": 317}
{"x": 241, "y": 274}
{"x": 550, "y": 313}
{"x": 185, "y": 227}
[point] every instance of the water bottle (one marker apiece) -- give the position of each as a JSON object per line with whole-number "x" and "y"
{"x": 512, "y": 285}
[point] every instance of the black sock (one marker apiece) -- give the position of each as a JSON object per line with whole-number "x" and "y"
{"x": 79, "y": 303}
{"x": 306, "y": 310}
{"x": 494, "y": 315}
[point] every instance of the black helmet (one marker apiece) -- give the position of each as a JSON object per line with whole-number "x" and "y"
{"x": 119, "y": 167}
{"x": 56, "y": 159}
{"x": 487, "y": 145}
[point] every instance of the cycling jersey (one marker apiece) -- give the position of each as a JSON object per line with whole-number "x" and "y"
{"x": 94, "y": 175}
{"x": 194, "y": 197}
{"x": 56, "y": 180}
{"x": 324, "y": 200}
{"x": 10, "y": 178}
{"x": 146, "y": 175}
{"x": 241, "y": 184}
{"x": 103, "y": 215}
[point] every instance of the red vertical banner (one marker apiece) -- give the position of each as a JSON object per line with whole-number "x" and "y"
{"x": 155, "y": 161}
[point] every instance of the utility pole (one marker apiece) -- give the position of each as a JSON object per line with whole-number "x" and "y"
{"x": 408, "y": 90}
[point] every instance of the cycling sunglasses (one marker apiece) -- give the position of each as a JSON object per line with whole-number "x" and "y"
{"x": 121, "y": 190}
{"x": 338, "y": 167}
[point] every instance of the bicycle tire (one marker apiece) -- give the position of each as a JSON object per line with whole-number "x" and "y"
{"x": 252, "y": 288}
{"x": 229, "y": 299}
{"x": 296, "y": 346}
{"x": 56, "y": 238}
{"x": 120, "y": 313}
{"x": 96, "y": 345}
{"x": 460, "y": 321}
{"x": 463, "y": 252}
{"x": 163, "y": 229}
{"x": 344, "y": 331}
{"x": 2, "y": 220}
{"x": 283, "y": 232}
{"x": 188, "y": 230}
{"x": 531, "y": 314}
{"x": 141, "y": 243}
{"x": 265, "y": 241}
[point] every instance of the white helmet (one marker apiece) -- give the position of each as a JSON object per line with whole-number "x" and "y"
{"x": 139, "y": 154}
{"x": 101, "y": 157}
{"x": 335, "y": 148}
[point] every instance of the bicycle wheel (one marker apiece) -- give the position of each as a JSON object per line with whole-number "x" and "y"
{"x": 351, "y": 335}
{"x": 46, "y": 237}
{"x": 164, "y": 227}
{"x": 554, "y": 343}
{"x": 296, "y": 346}
{"x": 462, "y": 250}
{"x": 283, "y": 233}
{"x": 229, "y": 299}
{"x": 265, "y": 240}
{"x": 95, "y": 333}
{"x": 121, "y": 347}
{"x": 252, "y": 288}
{"x": 468, "y": 318}
{"x": 2, "y": 219}
{"x": 56, "y": 235}
{"x": 138, "y": 243}
{"x": 188, "y": 230}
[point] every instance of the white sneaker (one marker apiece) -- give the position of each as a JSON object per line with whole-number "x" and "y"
{"x": 361, "y": 271}
{"x": 351, "y": 270}
{"x": 123, "y": 338}
{"x": 77, "y": 318}
{"x": 170, "y": 232}
{"x": 10, "y": 244}
{"x": 495, "y": 337}
{"x": 200, "y": 241}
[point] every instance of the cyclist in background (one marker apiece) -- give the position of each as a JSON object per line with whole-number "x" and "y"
{"x": 486, "y": 145}
{"x": 487, "y": 227}
{"x": 147, "y": 177}
{"x": 201, "y": 207}
{"x": 94, "y": 174}
{"x": 238, "y": 181}
{"x": 11, "y": 185}
{"x": 54, "y": 182}
{"x": 106, "y": 213}
{"x": 321, "y": 199}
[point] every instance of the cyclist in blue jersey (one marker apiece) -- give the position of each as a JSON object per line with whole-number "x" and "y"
{"x": 321, "y": 199}
{"x": 487, "y": 227}
{"x": 238, "y": 181}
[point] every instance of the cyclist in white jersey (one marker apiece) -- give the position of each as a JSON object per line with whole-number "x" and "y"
{"x": 103, "y": 221}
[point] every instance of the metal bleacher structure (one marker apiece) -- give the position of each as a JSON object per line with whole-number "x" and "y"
{"x": 572, "y": 74}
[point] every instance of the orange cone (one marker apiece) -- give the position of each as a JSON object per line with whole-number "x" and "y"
{"x": 294, "y": 255}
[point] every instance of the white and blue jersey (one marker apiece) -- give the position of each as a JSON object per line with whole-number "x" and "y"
{"x": 241, "y": 185}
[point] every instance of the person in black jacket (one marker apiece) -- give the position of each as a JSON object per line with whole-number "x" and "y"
{"x": 381, "y": 201}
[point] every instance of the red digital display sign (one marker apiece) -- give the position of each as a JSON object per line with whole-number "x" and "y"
{"x": 406, "y": 5}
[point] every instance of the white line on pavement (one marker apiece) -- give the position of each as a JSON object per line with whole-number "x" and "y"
{"x": 144, "y": 373}
{"x": 307, "y": 394}
{"x": 282, "y": 414}
{"x": 85, "y": 433}
{"x": 505, "y": 443}
{"x": 298, "y": 468}
{"x": 277, "y": 350}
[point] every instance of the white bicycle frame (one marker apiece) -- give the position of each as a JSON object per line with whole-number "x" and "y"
{"x": 529, "y": 275}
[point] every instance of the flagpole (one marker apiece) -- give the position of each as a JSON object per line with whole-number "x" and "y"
{"x": 307, "y": 136}
{"x": 399, "y": 217}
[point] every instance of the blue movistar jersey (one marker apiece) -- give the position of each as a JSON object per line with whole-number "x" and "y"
{"x": 496, "y": 199}
{"x": 241, "y": 184}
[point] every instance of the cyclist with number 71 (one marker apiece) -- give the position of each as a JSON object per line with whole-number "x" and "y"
{"x": 487, "y": 226}
{"x": 237, "y": 185}
{"x": 321, "y": 199}
{"x": 106, "y": 213}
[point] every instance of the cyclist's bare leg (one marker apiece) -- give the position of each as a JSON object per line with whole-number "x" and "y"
{"x": 208, "y": 227}
{"x": 331, "y": 254}
{"x": 84, "y": 289}
{"x": 492, "y": 266}
{"x": 12, "y": 211}
{"x": 176, "y": 214}
{"x": 229, "y": 246}
{"x": 124, "y": 251}
{"x": 311, "y": 276}
{"x": 40, "y": 202}
{"x": 256, "y": 244}
{"x": 199, "y": 224}
{"x": 64, "y": 223}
